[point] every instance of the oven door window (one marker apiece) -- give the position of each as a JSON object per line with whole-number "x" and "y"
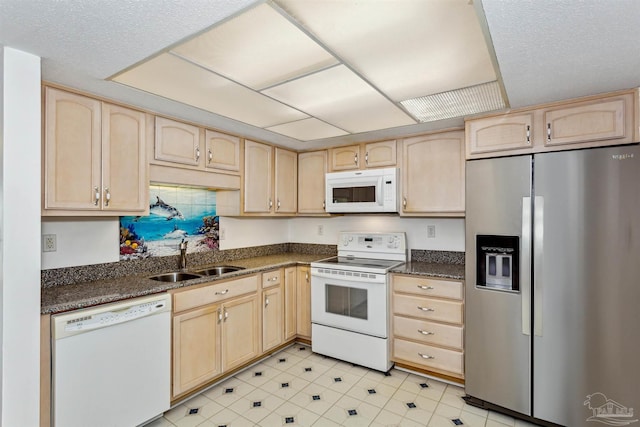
{"x": 346, "y": 301}
{"x": 354, "y": 194}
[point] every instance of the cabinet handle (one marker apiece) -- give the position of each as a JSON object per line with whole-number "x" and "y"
{"x": 425, "y": 332}
{"x": 210, "y": 153}
{"x": 425, "y": 309}
{"x": 222, "y": 293}
{"x": 548, "y": 132}
{"x": 278, "y": 205}
{"x": 226, "y": 314}
{"x": 324, "y": 204}
{"x": 219, "y": 315}
{"x": 528, "y": 134}
{"x": 96, "y": 196}
{"x": 266, "y": 301}
{"x": 426, "y": 288}
{"x": 366, "y": 158}
{"x": 272, "y": 279}
{"x": 426, "y": 356}
{"x": 355, "y": 159}
{"x": 306, "y": 276}
{"x": 270, "y": 203}
{"x": 107, "y": 196}
{"x": 404, "y": 202}
{"x": 197, "y": 154}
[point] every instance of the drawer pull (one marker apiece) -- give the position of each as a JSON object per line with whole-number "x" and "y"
{"x": 223, "y": 292}
{"x": 426, "y": 309}
{"x": 426, "y": 356}
{"x": 272, "y": 279}
{"x": 426, "y": 332}
{"x": 426, "y": 288}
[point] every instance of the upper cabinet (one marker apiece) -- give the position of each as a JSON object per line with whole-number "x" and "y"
{"x": 591, "y": 122}
{"x": 368, "y": 155}
{"x": 222, "y": 151}
{"x": 270, "y": 179}
{"x": 94, "y": 157}
{"x": 312, "y": 167}
{"x": 433, "y": 175}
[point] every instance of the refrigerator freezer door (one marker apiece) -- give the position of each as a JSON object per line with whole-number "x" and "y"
{"x": 497, "y": 352}
{"x": 586, "y": 353}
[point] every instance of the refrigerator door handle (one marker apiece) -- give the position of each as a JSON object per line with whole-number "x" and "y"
{"x": 538, "y": 244}
{"x": 525, "y": 266}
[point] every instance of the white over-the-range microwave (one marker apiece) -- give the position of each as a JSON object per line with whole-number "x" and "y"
{"x": 362, "y": 191}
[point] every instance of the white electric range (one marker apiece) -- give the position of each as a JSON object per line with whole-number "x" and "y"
{"x": 350, "y": 298}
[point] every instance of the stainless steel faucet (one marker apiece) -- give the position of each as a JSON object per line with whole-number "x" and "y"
{"x": 183, "y": 254}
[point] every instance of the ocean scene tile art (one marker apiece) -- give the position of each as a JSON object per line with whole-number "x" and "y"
{"x": 175, "y": 213}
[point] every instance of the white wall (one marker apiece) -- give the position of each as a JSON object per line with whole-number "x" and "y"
{"x": 20, "y": 204}
{"x": 245, "y": 232}
{"x": 449, "y": 231}
{"x": 81, "y": 241}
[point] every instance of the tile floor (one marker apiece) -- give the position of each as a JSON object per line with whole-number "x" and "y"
{"x": 296, "y": 387}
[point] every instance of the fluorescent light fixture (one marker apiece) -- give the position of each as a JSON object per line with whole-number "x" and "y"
{"x": 456, "y": 103}
{"x": 308, "y": 129}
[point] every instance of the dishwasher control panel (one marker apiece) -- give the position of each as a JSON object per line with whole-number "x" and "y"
{"x": 109, "y": 314}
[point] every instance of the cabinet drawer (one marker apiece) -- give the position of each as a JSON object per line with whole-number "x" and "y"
{"x": 271, "y": 278}
{"x": 427, "y": 308}
{"x": 191, "y": 298}
{"x": 429, "y": 356}
{"x": 428, "y": 332}
{"x": 428, "y": 287}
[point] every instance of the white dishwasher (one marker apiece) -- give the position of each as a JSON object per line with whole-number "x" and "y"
{"x": 111, "y": 364}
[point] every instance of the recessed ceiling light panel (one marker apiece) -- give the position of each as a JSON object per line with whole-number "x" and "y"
{"x": 456, "y": 103}
{"x": 308, "y": 129}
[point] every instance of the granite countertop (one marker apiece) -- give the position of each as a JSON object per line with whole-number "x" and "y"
{"x": 85, "y": 294}
{"x": 432, "y": 269}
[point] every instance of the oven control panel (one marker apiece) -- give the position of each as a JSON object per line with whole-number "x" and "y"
{"x": 361, "y": 244}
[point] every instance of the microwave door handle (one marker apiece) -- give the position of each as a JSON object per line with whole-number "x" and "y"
{"x": 379, "y": 191}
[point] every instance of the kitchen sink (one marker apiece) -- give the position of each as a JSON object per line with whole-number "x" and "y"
{"x": 176, "y": 276}
{"x": 216, "y": 271}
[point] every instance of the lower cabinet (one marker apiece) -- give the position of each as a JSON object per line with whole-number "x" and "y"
{"x": 272, "y": 311}
{"x": 290, "y": 291}
{"x": 215, "y": 329}
{"x": 428, "y": 324}
{"x": 303, "y": 302}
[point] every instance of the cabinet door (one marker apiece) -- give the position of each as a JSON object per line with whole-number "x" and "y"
{"x": 72, "y": 176}
{"x": 272, "y": 314}
{"x": 502, "y": 133}
{"x": 312, "y": 167}
{"x": 303, "y": 302}
{"x": 433, "y": 174}
{"x": 345, "y": 158}
{"x": 196, "y": 344}
{"x": 222, "y": 151}
{"x": 240, "y": 331}
{"x": 290, "y": 285}
{"x": 599, "y": 120}
{"x": 258, "y": 179}
{"x": 177, "y": 142}
{"x": 125, "y": 186}
{"x": 379, "y": 154}
{"x": 286, "y": 173}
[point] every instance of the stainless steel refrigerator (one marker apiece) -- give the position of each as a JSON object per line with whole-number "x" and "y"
{"x": 552, "y": 304}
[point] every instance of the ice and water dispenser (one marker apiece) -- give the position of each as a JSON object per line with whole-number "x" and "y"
{"x": 498, "y": 262}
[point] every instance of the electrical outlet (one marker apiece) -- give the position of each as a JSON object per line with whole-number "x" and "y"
{"x": 431, "y": 231}
{"x": 222, "y": 234}
{"x": 320, "y": 230}
{"x": 48, "y": 243}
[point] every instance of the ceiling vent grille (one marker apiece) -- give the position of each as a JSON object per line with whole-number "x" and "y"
{"x": 456, "y": 103}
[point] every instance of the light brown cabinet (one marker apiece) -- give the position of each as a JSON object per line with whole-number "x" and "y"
{"x": 270, "y": 179}
{"x": 94, "y": 157}
{"x": 216, "y": 328}
{"x": 303, "y": 302}
{"x": 428, "y": 324}
{"x": 573, "y": 124}
{"x": 362, "y": 156}
{"x": 433, "y": 175}
{"x": 312, "y": 167}
{"x": 290, "y": 302}
{"x": 272, "y": 310}
{"x": 183, "y": 144}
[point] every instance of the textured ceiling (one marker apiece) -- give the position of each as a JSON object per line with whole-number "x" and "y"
{"x": 546, "y": 50}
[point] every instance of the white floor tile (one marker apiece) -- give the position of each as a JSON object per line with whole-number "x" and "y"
{"x": 325, "y": 422}
{"x": 473, "y": 420}
{"x": 316, "y": 398}
{"x": 501, "y": 418}
{"x": 229, "y": 418}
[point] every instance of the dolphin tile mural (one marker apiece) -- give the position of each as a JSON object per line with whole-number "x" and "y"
{"x": 175, "y": 213}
